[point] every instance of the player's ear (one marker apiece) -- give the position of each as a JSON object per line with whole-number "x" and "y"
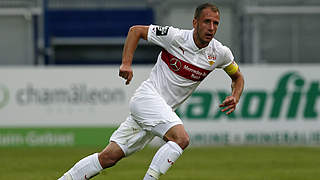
{"x": 194, "y": 22}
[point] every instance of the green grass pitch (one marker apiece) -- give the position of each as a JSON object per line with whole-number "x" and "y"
{"x": 206, "y": 163}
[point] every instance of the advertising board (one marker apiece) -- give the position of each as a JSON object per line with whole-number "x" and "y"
{"x": 279, "y": 105}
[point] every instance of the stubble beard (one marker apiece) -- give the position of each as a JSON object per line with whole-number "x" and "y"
{"x": 201, "y": 41}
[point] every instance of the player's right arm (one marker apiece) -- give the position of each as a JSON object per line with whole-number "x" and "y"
{"x": 134, "y": 35}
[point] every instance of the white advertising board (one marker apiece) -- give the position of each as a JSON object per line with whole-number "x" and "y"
{"x": 280, "y": 104}
{"x": 63, "y": 96}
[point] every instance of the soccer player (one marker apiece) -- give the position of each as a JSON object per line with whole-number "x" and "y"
{"x": 188, "y": 56}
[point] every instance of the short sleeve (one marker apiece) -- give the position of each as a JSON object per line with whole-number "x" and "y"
{"x": 231, "y": 67}
{"x": 227, "y": 58}
{"x": 161, "y": 35}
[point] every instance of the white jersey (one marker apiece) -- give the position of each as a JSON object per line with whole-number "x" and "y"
{"x": 181, "y": 65}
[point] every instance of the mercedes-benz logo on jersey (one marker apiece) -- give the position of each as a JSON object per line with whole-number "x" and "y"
{"x": 175, "y": 64}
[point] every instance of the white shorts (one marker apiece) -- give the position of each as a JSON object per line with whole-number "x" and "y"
{"x": 150, "y": 116}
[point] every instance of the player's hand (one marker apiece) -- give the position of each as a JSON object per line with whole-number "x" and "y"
{"x": 126, "y": 72}
{"x": 229, "y": 103}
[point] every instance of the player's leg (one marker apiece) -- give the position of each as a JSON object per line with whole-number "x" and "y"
{"x": 110, "y": 155}
{"x": 93, "y": 164}
{"x": 177, "y": 140}
{"x": 154, "y": 115}
{"x": 178, "y": 135}
{"x": 118, "y": 148}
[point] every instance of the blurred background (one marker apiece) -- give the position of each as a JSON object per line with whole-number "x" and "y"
{"x": 59, "y": 70}
{"x": 88, "y": 32}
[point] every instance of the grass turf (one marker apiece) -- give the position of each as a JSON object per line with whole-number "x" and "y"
{"x": 209, "y": 163}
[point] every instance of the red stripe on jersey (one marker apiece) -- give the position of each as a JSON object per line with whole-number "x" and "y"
{"x": 183, "y": 68}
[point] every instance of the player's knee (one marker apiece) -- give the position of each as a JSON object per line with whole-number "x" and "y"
{"x": 110, "y": 155}
{"x": 107, "y": 159}
{"x": 182, "y": 141}
{"x": 185, "y": 142}
{"x": 178, "y": 135}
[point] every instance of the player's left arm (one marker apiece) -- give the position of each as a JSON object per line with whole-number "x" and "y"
{"x": 237, "y": 85}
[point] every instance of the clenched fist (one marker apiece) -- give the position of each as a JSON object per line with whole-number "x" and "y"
{"x": 126, "y": 72}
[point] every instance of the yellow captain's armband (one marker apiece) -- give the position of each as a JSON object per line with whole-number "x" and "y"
{"x": 231, "y": 68}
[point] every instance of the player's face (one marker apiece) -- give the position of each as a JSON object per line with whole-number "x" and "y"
{"x": 205, "y": 27}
